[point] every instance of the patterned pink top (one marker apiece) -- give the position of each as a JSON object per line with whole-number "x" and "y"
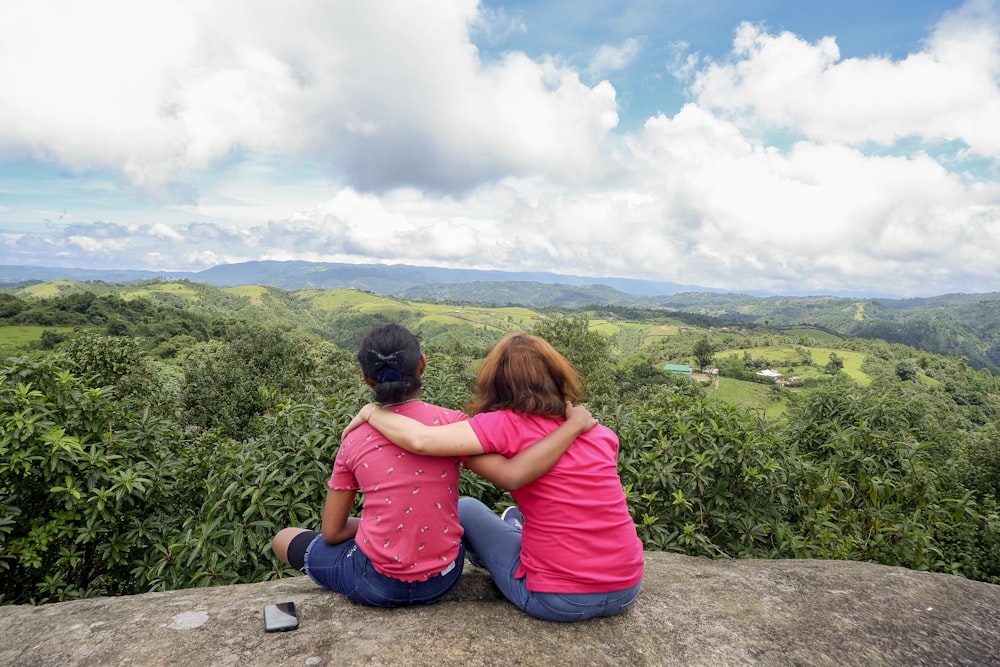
{"x": 409, "y": 523}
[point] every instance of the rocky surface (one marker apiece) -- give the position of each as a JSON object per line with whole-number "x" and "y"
{"x": 691, "y": 612}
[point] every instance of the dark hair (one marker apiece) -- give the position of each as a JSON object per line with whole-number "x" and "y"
{"x": 390, "y": 356}
{"x": 525, "y": 374}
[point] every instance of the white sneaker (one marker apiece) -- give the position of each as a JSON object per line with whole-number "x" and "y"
{"x": 513, "y": 516}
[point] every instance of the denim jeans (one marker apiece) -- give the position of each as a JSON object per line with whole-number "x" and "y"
{"x": 495, "y": 545}
{"x": 343, "y": 568}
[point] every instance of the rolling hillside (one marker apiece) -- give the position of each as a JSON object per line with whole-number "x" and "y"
{"x": 958, "y": 325}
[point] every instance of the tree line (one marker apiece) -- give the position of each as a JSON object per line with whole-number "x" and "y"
{"x": 166, "y": 457}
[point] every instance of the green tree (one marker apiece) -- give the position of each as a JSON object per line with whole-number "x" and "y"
{"x": 229, "y": 384}
{"x": 703, "y": 352}
{"x": 835, "y": 365}
{"x": 85, "y": 484}
{"x": 589, "y": 351}
{"x": 10, "y": 306}
{"x": 906, "y": 370}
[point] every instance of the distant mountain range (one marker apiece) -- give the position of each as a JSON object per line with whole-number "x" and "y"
{"x": 391, "y": 279}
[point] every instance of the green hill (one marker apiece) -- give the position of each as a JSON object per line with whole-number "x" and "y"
{"x": 957, "y": 325}
{"x": 478, "y": 313}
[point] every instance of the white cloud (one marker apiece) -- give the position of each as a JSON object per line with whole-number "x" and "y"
{"x": 373, "y": 132}
{"x": 92, "y": 245}
{"x": 949, "y": 91}
{"x": 493, "y": 25}
{"x": 816, "y": 216}
{"x": 162, "y": 231}
{"x": 613, "y": 58}
{"x": 157, "y": 92}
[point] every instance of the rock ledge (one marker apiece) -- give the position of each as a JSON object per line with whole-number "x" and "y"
{"x": 691, "y": 612}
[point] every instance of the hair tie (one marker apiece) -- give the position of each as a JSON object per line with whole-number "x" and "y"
{"x": 387, "y": 367}
{"x": 388, "y": 375}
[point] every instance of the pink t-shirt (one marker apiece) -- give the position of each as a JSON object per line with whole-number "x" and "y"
{"x": 409, "y": 522}
{"x": 578, "y": 536}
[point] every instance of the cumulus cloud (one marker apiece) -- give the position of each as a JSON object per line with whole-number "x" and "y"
{"x": 163, "y": 231}
{"x": 386, "y": 93}
{"x": 419, "y": 152}
{"x": 814, "y": 216}
{"x": 949, "y": 91}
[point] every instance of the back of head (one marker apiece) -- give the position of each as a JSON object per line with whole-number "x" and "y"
{"x": 525, "y": 374}
{"x": 390, "y": 358}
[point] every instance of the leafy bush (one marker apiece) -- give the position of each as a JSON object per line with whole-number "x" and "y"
{"x": 84, "y": 484}
{"x": 121, "y": 368}
{"x": 869, "y": 482}
{"x": 250, "y": 490}
{"x": 702, "y": 478}
{"x": 224, "y": 379}
{"x": 121, "y": 474}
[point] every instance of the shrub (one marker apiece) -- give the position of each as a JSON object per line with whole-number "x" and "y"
{"x": 701, "y": 478}
{"x": 869, "y": 486}
{"x": 84, "y": 485}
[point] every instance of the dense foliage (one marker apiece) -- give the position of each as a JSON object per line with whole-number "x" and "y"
{"x": 134, "y": 462}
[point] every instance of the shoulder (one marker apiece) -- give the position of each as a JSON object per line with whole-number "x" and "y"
{"x": 360, "y": 439}
{"x": 492, "y": 416}
{"x": 601, "y": 437}
{"x": 498, "y": 420}
{"x": 428, "y": 413}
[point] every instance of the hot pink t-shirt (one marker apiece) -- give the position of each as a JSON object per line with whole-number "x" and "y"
{"x": 578, "y": 536}
{"x": 409, "y": 522}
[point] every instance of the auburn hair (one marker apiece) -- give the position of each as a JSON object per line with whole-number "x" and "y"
{"x": 525, "y": 374}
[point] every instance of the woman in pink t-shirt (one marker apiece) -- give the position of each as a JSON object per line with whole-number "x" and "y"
{"x": 571, "y": 552}
{"x": 406, "y": 547}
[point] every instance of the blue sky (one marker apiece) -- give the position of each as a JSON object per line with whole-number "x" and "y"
{"x": 769, "y": 145}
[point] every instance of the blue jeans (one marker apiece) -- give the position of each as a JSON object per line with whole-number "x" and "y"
{"x": 343, "y": 568}
{"x": 495, "y": 545}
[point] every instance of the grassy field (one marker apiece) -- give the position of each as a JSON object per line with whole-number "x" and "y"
{"x": 254, "y": 293}
{"x": 789, "y": 361}
{"x": 500, "y": 320}
{"x": 765, "y": 399}
{"x": 49, "y": 289}
{"x": 435, "y": 315}
{"x": 185, "y": 290}
{"x": 15, "y": 340}
{"x": 812, "y": 334}
{"x": 770, "y": 400}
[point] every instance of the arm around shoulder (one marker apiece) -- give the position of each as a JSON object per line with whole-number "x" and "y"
{"x": 455, "y": 439}
{"x": 530, "y": 464}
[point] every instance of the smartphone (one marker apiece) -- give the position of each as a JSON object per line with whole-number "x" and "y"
{"x": 280, "y": 617}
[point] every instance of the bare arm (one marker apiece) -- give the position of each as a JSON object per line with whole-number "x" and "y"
{"x": 530, "y": 464}
{"x": 456, "y": 439}
{"x": 459, "y": 439}
{"x": 338, "y": 524}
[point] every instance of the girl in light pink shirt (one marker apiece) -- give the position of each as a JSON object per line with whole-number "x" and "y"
{"x": 571, "y": 552}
